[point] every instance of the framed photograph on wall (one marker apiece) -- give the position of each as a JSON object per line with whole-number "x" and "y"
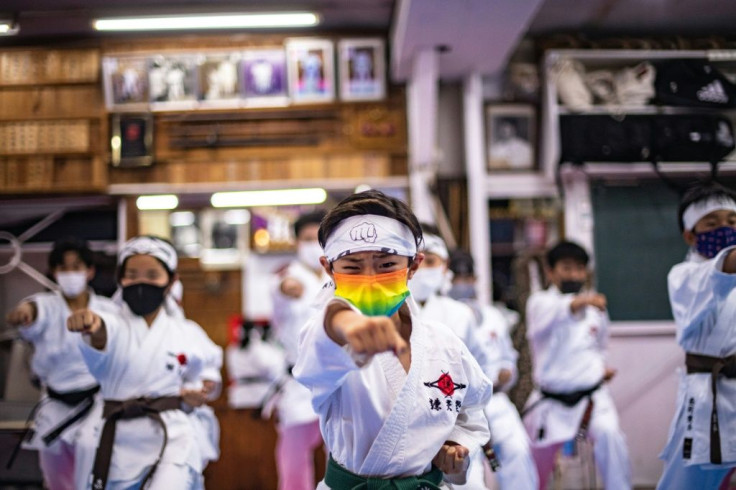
{"x": 511, "y": 137}
{"x": 131, "y": 142}
{"x": 362, "y": 69}
{"x": 125, "y": 80}
{"x": 172, "y": 82}
{"x": 263, "y": 78}
{"x": 217, "y": 80}
{"x": 311, "y": 70}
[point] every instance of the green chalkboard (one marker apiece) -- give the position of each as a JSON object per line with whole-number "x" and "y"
{"x": 637, "y": 241}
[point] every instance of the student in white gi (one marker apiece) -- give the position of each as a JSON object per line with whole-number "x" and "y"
{"x": 701, "y": 450}
{"x": 142, "y": 358}
{"x": 69, "y": 390}
{"x": 568, "y": 330}
{"x": 293, "y": 294}
{"x": 510, "y": 440}
{"x": 395, "y": 395}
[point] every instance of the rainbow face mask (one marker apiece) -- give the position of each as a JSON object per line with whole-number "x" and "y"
{"x": 379, "y": 295}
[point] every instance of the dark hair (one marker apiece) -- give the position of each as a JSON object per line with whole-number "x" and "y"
{"x": 121, "y": 267}
{"x": 429, "y": 229}
{"x": 370, "y": 202}
{"x": 461, "y": 263}
{"x": 313, "y": 218}
{"x": 700, "y": 192}
{"x": 567, "y": 250}
{"x": 70, "y": 244}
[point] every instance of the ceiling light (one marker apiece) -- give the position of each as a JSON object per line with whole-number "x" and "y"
{"x": 225, "y": 21}
{"x": 163, "y": 201}
{"x": 282, "y": 197}
{"x": 9, "y": 28}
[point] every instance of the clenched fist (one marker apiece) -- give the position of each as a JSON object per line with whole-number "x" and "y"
{"x": 84, "y": 321}
{"x": 452, "y": 458}
{"x": 366, "y": 335}
{"x": 22, "y": 315}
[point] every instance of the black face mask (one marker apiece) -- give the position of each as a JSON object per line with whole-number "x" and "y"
{"x": 143, "y": 298}
{"x": 574, "y": 287}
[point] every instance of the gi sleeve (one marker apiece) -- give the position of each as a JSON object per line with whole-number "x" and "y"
{"x": 696, "y": 291}
{"x": 545, "y": 310}
{"x": 44, "y": 313}
{"x": 211, "y": 365}
{"x": 322, "y": 364}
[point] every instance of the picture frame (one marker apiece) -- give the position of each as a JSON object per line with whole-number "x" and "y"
{"x": 311, "y": 70}
{"x": 125, "y": 82}
{"x": 263, "y": 78}
{"x": 172, "y": 82}
{"x": 511, "y": 135}
{"x": 217, "y": 80}
{"x": 131, "y": 141}
{"x": 362, "y": 69}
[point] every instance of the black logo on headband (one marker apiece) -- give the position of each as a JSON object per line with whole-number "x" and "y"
{"x": 364, "y": 232}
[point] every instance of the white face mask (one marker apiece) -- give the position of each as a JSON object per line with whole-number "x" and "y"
{"x": 425, "y": 282}
{"x": 309, "y": 253}
{"x": 72, "y": 284}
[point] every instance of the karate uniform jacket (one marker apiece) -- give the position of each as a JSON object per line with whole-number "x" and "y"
{"x": 379, "y": 420}
{"x": 289, "y": 316}
{"x": 703, "y": 300}
{"x": 57, "y": 362}
{"x": 142, "y": 361}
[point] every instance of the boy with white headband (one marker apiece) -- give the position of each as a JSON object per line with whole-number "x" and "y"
{"x": 488, "y": 340}
{"x": 142, "y": 358}
{"x": 70, "y": 392}
{"x": 293, "y": 296}
{"x": 400, "y": 400}
{"x": 700, "y": 451}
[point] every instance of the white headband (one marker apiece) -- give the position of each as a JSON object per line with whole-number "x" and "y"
{"x": 145, "y": 245}
{"x": 435, "y": 245}
{"x": 695, "y": 212}
{"x": 367, "y": 233}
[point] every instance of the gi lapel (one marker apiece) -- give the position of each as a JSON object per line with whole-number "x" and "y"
{"x": 385, "y": 452}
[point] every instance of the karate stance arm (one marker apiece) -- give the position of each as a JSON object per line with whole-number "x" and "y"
{"x": 452, "y": 458}
{"x": 729, "y": 263}
{"x": 364, "y": 334}
{"x": 89, "y": 323}
{"x": 23, "y": 315}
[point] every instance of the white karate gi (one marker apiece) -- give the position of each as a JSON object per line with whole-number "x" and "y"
{"x": 379, "y": 420}
{"x": 703, "y": 300}
{"x": 568, "y": 356}
{"x": 59, "y": 365}
{"x": 289, "y": 316}
{"x": 298, "y": 424}
{"x": 204, "y": 421}
{"x": 142, "y": 361}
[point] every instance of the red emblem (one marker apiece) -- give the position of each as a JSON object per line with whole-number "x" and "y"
{"x": 182, "y": 358}
{"x": 445, "y": 384}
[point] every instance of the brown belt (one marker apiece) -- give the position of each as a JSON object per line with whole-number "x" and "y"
{"x": 115, "y": 410}
{"x": 725, "y": 366}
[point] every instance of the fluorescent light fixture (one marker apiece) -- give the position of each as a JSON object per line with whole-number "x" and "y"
{"x": 8, "y": 28}
{"x": 181, "y": 218}
{"x": 282, "y": 197}
{"x": 208, "y": 21}
{"x": 163, "y": 201}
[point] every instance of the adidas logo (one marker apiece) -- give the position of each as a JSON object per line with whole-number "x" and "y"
{"x": 713, "y": 92}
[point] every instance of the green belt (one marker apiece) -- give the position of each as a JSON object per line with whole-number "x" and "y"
{"x": 338, "y": 478}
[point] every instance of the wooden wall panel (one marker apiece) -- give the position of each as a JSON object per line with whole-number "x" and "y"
{"x": 82, "y": 101}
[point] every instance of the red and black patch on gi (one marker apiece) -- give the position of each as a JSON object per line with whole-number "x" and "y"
{"x": 445, "y": 384}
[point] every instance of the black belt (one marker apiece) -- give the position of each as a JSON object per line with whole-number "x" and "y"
{"x": 724, "y": 366}
{"x": 72, "y": 399}
{"x": 570, "y": 399}
{"x": 115, "y": 410}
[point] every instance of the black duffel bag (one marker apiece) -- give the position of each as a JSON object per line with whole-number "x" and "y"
{"x": 693, "y": 83}
{"x": 643, "y": 138}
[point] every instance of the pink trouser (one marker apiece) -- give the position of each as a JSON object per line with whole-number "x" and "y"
{"x": 57, "y": 466}
{"x": 294, "y": 455}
